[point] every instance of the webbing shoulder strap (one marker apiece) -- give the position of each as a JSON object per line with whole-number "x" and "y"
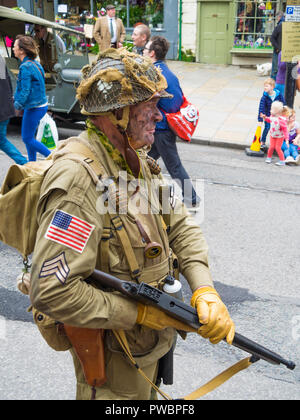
{"x": 200, "y": 392}
{"x": 77, "y": 151}
{"x": 127, "y": 247}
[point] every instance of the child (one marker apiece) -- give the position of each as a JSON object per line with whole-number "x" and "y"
{"x": 291, "y": 153}
{"x": 269, "y": 96}
{"x": 278, "y": 131}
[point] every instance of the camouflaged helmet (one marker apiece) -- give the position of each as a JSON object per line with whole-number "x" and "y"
{"x": 119, "y": 78}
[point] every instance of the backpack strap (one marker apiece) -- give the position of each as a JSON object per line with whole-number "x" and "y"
{"x": 74, "y": 150}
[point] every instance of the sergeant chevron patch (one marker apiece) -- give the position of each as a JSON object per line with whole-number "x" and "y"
{"x": 56, "y": 266}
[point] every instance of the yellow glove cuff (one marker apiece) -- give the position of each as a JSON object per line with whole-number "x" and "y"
{"x": 142, "y": 310}
{"x": 202, "y": 291}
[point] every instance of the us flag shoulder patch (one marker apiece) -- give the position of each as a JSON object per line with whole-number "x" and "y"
{"x": 69, "y": 231}
{"x": 56, "y": 266}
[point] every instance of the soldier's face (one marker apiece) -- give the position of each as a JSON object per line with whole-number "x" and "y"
{"x": 142, "y": 123}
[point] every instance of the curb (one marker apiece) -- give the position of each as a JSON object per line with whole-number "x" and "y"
{"x": 217, "y": 143}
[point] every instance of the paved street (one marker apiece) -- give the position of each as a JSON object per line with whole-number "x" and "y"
{"x": 250, "y": 219}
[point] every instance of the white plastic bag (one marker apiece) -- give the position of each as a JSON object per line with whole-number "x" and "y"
{"x": 47, "y": 132}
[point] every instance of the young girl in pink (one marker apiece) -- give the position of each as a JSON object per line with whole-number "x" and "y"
{"x": 278, "y": 131}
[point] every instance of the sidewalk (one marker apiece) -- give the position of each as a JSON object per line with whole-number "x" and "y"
{"x": 227, "y": 98}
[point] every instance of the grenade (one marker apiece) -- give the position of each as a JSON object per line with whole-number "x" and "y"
{"x": 173, "y": 287}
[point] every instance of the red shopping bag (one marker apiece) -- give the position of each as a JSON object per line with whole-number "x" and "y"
{"x": 184, "y": 122}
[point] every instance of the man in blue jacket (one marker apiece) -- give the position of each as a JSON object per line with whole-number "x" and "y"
{"x": 165, "y": 140}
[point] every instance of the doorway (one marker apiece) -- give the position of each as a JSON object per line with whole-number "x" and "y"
{"x": 214, "y": 33}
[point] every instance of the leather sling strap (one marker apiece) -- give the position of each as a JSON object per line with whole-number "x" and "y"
{"x": 121, "y": 337}
{"x": 198, "y": 393}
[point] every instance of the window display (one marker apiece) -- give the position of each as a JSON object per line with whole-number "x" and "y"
{"x": 150, "y": 12}
{"x": 75, "y": 13}
{"x": 254, "y": 24}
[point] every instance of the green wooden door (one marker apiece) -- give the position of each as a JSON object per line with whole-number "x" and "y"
{"x": 214, "y": 32}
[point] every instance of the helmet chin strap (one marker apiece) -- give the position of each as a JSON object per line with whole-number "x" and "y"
{"x": 123, "y": 122}
{"x": 131, "y": 156}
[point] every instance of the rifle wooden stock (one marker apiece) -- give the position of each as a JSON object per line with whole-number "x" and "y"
{"x": 88, "y": 344}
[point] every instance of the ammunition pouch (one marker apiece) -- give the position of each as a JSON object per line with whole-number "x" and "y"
{"x": 51, "y": 331}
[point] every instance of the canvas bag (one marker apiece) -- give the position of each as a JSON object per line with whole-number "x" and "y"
{"x": 18, "y": 201}
{"x": 20, "y": 192}
{"x": 184, "y": 122}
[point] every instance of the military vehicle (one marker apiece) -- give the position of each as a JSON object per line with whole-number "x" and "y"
{"x": 61, "y": 82}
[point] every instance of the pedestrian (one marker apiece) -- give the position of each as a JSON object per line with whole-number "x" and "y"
{"x": 269, "y": 96}
{"x": 276, "y": 39}
{"x": 165, "y": 140}
{"x": 278, "y": 131}
{"x": 47, "y": 47}
{"x": 7, "y": 111}
{"x": 30, "y": 96}
{"x": 122, "y": 114}
{"x": 291, "y": 153}
{"x": 109, "y": 31}
{"x": 280, "y": 77}
{"x": 140, "y": 36}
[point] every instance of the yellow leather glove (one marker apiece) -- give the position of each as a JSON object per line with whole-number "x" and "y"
{"x": 214, "y": 315}
{"x": 154, "y": 318}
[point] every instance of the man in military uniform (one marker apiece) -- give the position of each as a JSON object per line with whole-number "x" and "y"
{"x": 119, "y": 92}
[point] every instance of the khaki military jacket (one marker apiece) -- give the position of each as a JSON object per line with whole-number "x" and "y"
{"x": 71, "y": 238}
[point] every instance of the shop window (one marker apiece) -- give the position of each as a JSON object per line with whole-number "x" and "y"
{"x": 254, "y": 24}
{"x": 150, "y": 12}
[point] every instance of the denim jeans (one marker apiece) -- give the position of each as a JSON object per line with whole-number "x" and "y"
{"x": 30, "y": 122}
{"x": 165, "y": 146}
{"x": 274, "y": 70}
{"x": 7, "y": 147}
{"x": 265, "y": 132}
{"x": 290, "y": 151}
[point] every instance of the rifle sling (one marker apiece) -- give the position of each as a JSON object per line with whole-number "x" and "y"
{"x": 198, "y": 393}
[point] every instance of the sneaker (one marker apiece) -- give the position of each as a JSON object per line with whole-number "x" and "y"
{"x": 289, "y": 159}
{"x": 297, "y": 159}
{"x": 280, "y": 163}
{"x": 268, "y": 160}
{"x": 263, "y": 147}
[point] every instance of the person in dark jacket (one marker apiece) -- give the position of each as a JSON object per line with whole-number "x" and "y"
{"x": 165, "y": 140}
{"x": 7, "y": 111}
{"x": 269, "y": 96}
{"x": 30, "y": 94}
{"x": 276, "y": 43}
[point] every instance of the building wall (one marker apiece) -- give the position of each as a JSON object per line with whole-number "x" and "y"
{"x": 189, "y": 25}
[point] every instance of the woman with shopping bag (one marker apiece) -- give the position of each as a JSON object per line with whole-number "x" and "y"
{"x": 30, "y": 95}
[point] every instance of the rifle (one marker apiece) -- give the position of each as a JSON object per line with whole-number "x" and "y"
{"x": 184, "y": 313}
